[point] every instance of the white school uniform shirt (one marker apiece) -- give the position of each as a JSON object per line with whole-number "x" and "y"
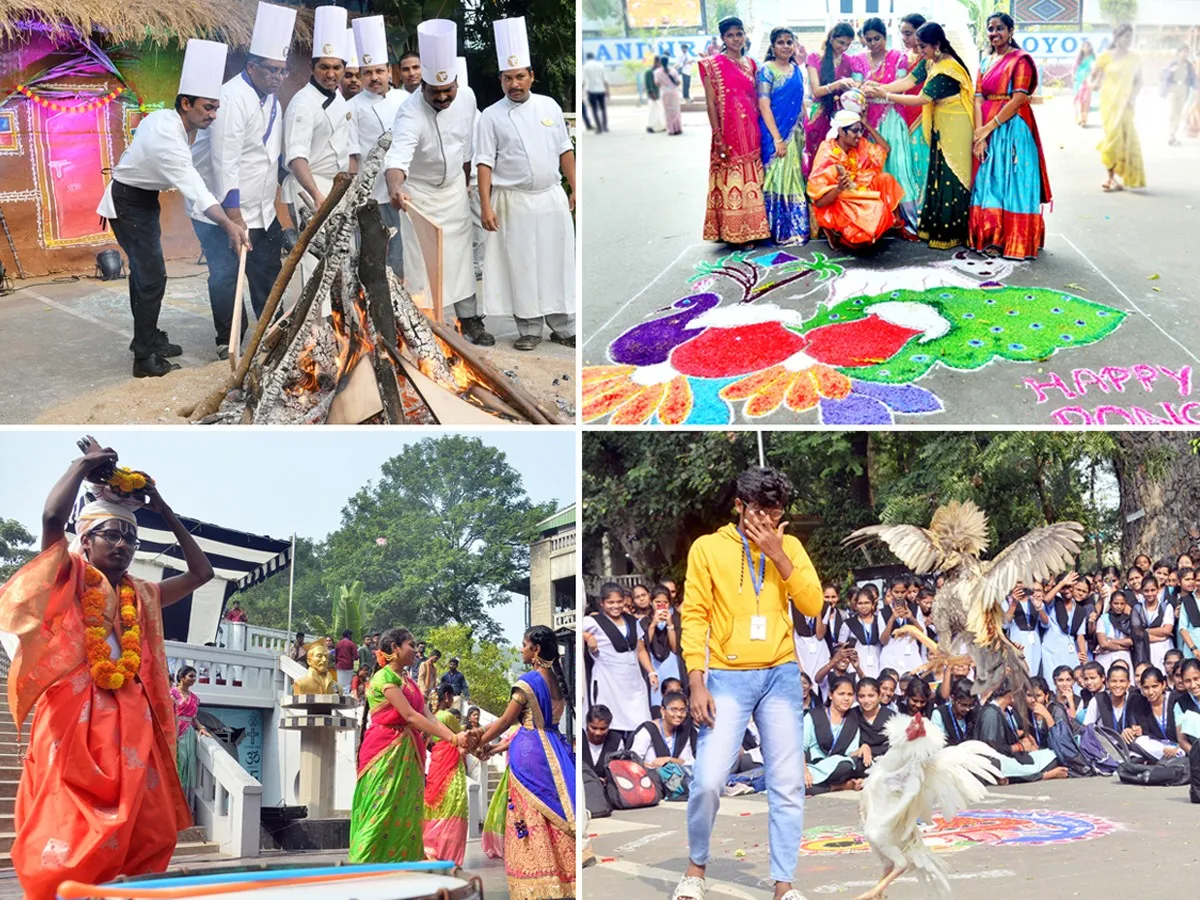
{"x": 1104, "y": 625}
{"x": 617, "y": 680}
{"x": 643, "y": 747}
{"x": 238, "y": 155}
{"x": 1159, "y": 649}
{"x": 431, "y": 147}
{"x": 371, "y": 115}
{"x": 159, "y": 159}
{"x": 522, "y": 143}
{"x": 316, "y": 129}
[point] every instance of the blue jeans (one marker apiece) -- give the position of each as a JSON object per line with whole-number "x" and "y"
{"x": 774, "y": 697}
{"x": 262, "y": 268}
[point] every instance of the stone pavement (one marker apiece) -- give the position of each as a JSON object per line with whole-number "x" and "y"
{"x": 1102, "y": 327}
{"x": 1089, "y": 838}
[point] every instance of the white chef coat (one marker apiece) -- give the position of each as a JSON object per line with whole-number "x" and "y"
{"x": 371, "y": 115}
{"x": 238, "y": 156}
{"x": 522, "y": 142}
{"x": 159, "y": 159}
{"x": 431, "y": 148}
{"x": 316, "y": 129}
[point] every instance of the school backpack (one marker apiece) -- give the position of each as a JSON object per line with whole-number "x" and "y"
{"x": 594, "y": 797}
{"x": 1095, "y": 753}
{"x": 676, "y": 782}
{"x": 1172, "y": 772}
{"x": 1062, "y": 742}
{"x": 629, "y": 784}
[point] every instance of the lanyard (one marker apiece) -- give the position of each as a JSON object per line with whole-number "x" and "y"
{"x": 1162, "y": 722}
{"x": 756, "y": 583}
{"x": 1124, "y": 709}
{"x": 958, "y": 735}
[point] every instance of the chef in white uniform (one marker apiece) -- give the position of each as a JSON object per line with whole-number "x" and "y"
{"x": 317, "y": 124}
{"x": 352, "y": 82}
{"x": 529, "y": 266}
{"x": 160, "y": 159}
{"x": 238, "y": 158}
{"x": 371, "y": 114}
{"x": 429, "y": 164}
{"x": 478, "y": 234}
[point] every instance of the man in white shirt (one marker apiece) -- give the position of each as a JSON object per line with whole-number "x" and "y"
{"x": 317, "y": 124}
{"x": 238, "y": 157}
{"x": 160, "y": 159}
{"x": 410, "y": 71}
{"x": 371, "y": 114}
{"x": 429, "y": 165}
{"x": 529, "y": 265}
{"x": 687, "y": 62}
{"x": 595, "y": 84}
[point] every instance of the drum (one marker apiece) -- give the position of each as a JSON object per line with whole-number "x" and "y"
{"x": 402, "y": 881}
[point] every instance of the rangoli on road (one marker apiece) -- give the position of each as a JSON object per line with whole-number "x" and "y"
{"x": 849, "y": 343}
{"x": 995, "y": 827}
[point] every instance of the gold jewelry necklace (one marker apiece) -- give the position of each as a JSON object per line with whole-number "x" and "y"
{"x": 539, "y": 663}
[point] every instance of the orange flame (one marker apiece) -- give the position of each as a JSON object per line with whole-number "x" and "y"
{"x": 307, "y": 366}
{"x": 352, "y": 349}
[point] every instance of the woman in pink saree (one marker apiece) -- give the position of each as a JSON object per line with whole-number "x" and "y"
{"x": 737, "y": 212}
{"x": 672, "y": 95}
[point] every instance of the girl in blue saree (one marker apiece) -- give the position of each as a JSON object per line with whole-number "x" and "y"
{"x": 780, "y": 86}
{"x": 539, "y": 829}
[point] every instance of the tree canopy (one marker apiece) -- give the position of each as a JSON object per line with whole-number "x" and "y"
{"x": 654, "y": 493}
{"x": 14, "y": 549}
{"x": 485, "y": 664}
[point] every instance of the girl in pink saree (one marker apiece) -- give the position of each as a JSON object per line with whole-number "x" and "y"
{"x": 737, "y": 213}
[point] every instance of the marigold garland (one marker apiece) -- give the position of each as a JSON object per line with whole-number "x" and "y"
{"x": 108, "y": 673}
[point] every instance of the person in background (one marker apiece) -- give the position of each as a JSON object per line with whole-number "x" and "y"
{"x": 410, "y": 71}
{"x": 1178, "y": 80}
{"x": 1187, "y": 705}
{"x": 599, "y": 740}
{"x": 657, "y": 120}
{"x": 888, "y": 684}
{"x": 835, "y": 759}
{"x": 1114, "y": 634}
{"x": 1187, "y": 629}
{"x": 445, "y": 827}
{"x": 456, "y": 682}
{"x": 1026, "y": 615}
{"x": 957, "y": 716}
{"x": 660, "y": 637}
{"x": 300, "y": 649}
{"x": 427, "y": 674}
{"x": 685, "y": 67}
{"x": 865, "y": 628}
{"x": 235, "y": 613}
{"x": 871, "y": 719}
{"x": 831, "y": 72}
{"x": 595, "y": 85}
{"x": 782, "y": 116}
{"x": 366, "y": 654}
{"x": 1021, "y": 760}
{"x": 358, "y": 684}
{"x": 669, "y": 739}
{"x": 621, "y": 665}
{"x": 1083, "y": 82}
{"x": 346, "y": 660}
{"x": 1153, "y": 622}
{"x": 418, "y": 658}
{"x": 668, "y": 86}
{"x": 1118, "y": 75}
{"x": 187, "y": 705}
{"x": 1153, "y": 727}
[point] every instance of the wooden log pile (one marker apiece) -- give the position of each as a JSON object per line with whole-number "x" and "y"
{"x": 353, "y": 313}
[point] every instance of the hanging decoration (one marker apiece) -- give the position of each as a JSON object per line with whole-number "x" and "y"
{"x": 89, "y": 106}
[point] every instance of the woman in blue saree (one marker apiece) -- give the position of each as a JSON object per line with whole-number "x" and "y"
{"x": 781, "y": 108}
{"x": 539, "y": 829}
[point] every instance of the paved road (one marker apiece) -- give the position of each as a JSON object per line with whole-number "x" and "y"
{"x": 1089, "y": 838}
{"x": 1110, "y": 335}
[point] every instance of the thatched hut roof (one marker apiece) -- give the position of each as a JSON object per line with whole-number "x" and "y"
{"x": 160, "y": 21}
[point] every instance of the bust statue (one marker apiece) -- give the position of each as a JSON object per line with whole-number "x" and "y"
{"x": 318, "y": 680}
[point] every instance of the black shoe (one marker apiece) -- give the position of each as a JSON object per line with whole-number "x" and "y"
{"x": 153, "y": 367}
{"x": 473, "y": 331}
{"x": 527, "y": 341}
{"x": 162, "y": 346}
{"x": 564, "y": 339}
{"x": 222, "y": 351}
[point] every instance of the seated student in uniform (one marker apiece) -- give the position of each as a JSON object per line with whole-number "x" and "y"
{"x": 1187, "y": 706}
{"x": 1021, "y": 760}
{"x": 670, "y": 739}
{"x": 810, "y": 696}
{"x": 842, "y": 664}
{"x": 1093, "y": 683}
{"x": 599, "y": 741}
{"x": 917, "y": 698}
{"x": 834, "y": 757}
{"x": 1064, "y": 691}
{"x": 1171, "y": 662}
{"x": 1041, "y": 719}
{"x": 673, "y": 686}
{"x": 957, "y": 715}
{"x": 1153, "y": 728}
{"x": 888, "y": 681}
{"x": 871, "y": 719}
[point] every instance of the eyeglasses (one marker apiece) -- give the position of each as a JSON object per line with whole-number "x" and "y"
{"x": 275, "y": 71}
{"x": 855, "y": 129}
{"x": 114, "y": 537}
{"x": 774, "y": 514}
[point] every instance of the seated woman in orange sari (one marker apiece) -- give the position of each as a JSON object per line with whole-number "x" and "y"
{"x": 852, "y": 197}
{"x": 99, "y": 795}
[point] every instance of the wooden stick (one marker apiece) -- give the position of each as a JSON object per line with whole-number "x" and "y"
{"x": 235, "y": 329}
{"x": 372, "y": 275}
{"x": 524, "y": 402}
{"x": 209, "y": 405}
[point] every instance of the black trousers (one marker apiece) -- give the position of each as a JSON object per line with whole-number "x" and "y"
{"x": 687, "y": 86}
{"x": 599, "y": 111}
{"x": 262, "y": 268}
{"x": 139, "y": 234}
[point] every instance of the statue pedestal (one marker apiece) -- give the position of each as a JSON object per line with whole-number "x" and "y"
{"x": 317, "y": 717}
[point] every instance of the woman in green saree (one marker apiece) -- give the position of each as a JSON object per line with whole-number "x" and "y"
{"x": 388, "y": 816}
{"x": 947, "y": 99}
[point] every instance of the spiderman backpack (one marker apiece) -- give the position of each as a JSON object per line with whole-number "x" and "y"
{"x": 629, "y": 784}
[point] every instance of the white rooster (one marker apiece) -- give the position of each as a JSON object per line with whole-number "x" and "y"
{"x": 919, "y": 774}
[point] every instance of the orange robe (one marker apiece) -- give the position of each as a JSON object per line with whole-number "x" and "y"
{"x": 99, "y": 794}
{"x": 865, "y": 214}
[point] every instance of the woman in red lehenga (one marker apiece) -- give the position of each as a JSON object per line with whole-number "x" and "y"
{"x": 99, "y": 795}
{"x": 737, "y": 212}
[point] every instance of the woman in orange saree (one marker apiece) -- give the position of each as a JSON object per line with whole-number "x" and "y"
{"x": 99, "y": 795}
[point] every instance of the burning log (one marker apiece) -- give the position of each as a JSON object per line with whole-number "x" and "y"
{"x": 372, "y": 272}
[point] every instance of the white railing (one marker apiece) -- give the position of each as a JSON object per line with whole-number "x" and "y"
{"x": 228, "y": 800}
{"x": 562, "y": 542}
{"x": 227, "y": 677}
{"x": 253, "y": 638}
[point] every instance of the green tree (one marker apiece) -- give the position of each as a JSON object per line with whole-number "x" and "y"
{"x": 1119, "y": 12}
{"x": 485, "y": 663}
{"x": 551, "y": 27}
{"x": 13, "y": 552}
{"x": 438, "y": 538}
{"x": 348, "y": 611}
{"x": 267, "y": 603}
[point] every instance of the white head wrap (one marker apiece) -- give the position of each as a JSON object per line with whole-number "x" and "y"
{"x": 97, "y": 512}
{"x": 842, "y": 119}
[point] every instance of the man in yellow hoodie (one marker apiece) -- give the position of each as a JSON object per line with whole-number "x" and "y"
{"x": 741, "y": 661}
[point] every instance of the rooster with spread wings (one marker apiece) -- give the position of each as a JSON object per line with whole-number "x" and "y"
{"x": 968, "y": 611}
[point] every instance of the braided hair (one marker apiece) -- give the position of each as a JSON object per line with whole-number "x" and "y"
{"x": 545, "y": 642}
{"x": 1008, "y": 23}
{"x": 840, "y": 30}
{"x": 389, "y": 643}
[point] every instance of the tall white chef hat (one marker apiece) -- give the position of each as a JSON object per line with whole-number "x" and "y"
{"x": 329, "y": 32}
{"x": 203, "y": 69}
{"x": 371, "y": 38}
{"x": 460, "y": 63}
{"x": 351, "y": 50}
{"x": 273, "y": 27}
{"x": 437, "y": 40}
{"x": 512, "y": 44}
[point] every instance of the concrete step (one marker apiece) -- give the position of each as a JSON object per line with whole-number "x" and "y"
{"x": 189, "y": 849}
{"x": 8, "y": 806}
{"x": 10, "y": 773}
{"x": 8, "y": 789}
{"x": 6, "y": 840}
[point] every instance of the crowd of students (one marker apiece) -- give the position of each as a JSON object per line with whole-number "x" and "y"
{"x": 1110, "y": 651}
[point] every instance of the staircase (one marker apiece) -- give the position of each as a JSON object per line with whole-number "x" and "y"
{"x": 192, "y": 842}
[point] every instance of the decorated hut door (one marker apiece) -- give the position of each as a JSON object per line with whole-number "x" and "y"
{"x": 72, "y": 149}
